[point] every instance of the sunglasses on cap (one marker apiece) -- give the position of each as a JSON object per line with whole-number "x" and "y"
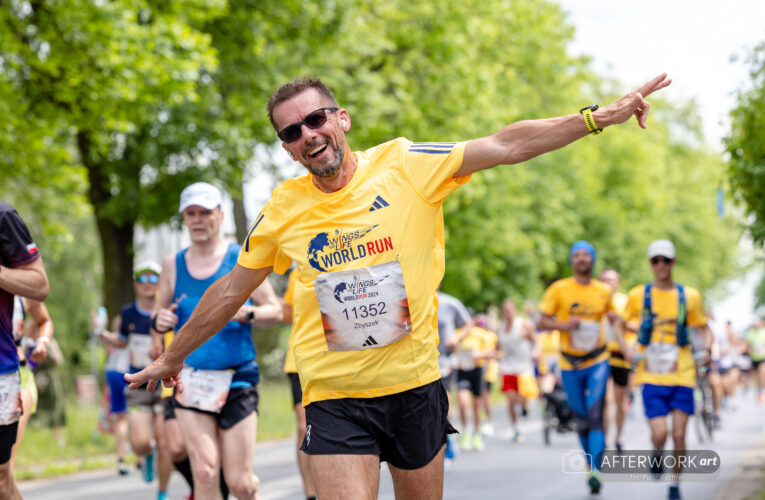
{"x": 666, "y": 260}
{"x": 313, "y": 120}
{"x": 147, "y": 278}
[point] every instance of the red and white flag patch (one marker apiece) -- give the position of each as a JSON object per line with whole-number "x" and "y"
{"x": 32, "y": 248}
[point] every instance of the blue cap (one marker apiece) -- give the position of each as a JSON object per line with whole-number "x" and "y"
{"x": 582, "y": 245}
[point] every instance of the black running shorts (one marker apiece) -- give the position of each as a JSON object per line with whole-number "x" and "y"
{"x": 241, "y": 401}
{"x": 7, "y": 439}
{"x": 297, "y": 390}
{"x": 407, "y": 429}
{"x": 471, "y": 380}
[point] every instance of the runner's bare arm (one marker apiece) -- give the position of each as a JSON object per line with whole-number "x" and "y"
{"x": 27, "y": 280}
{"x": 618, "y": 326}
{"x": 44, "y": 325}
{"x": 526, "y": 139}
{"x": 217, "y": 306}
{"x": 547, "y": 322}
{"x": 268, "y": 310}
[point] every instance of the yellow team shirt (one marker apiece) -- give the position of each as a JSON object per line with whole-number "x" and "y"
{"x": 289, "y": 298}
{"x": 590, "y": 303}
{"x": 168, "y": 337}
{"x": 620, "y": 306}
{"x": 664, "y": 304}
{"x": 477, "y": 339}
{"x": 389, "y": 215}
{"x": 490, "y": 341}
{"x": 549, "y": 342}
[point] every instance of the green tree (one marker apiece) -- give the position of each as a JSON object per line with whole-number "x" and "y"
{"x": 746, "y": 146}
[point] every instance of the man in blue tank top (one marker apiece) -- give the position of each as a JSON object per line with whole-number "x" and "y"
{"x": 217, "y": 410}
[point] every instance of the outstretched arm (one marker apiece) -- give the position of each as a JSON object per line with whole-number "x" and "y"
{"x": 526, "y": 139}
{"x": 216, "y": 308}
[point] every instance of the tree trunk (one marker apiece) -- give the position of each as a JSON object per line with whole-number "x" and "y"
{"x": 116, "y": 239}
{"x": 240, "y": 219}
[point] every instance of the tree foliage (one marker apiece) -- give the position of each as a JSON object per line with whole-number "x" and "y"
{"x": 746, "y": 146}
{"x": 118, "y": 105}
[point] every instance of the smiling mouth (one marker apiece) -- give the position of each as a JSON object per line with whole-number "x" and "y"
{"x": 317, "y": 150}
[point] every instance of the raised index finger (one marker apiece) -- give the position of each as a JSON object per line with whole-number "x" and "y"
{"x": 655, "y": 84}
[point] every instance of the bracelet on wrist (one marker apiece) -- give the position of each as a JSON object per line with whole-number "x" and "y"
{"x": 154, "y": 325}
{"x": 589, "y": 119}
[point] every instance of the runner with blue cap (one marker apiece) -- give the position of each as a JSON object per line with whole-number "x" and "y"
{"x": 577, "y": 307}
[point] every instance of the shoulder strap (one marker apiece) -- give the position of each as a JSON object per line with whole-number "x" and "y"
{"x": 682, "y": 317}
{"x": 646, "y": 327}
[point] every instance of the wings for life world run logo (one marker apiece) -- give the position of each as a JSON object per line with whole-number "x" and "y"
{"x": 325, "y": 251}
{"x": 357, "y": 289}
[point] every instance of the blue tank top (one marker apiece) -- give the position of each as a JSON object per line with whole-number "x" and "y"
{"x": 232, "y": 347}
{"x": 134, "y": 322}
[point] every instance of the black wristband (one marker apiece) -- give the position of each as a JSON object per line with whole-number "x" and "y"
{"x": 154, "y": 325}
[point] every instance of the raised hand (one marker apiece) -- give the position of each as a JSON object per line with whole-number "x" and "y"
{"x": 634, "y": 103}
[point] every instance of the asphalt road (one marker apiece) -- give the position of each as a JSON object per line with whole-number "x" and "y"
{"x": 527, "y": 470}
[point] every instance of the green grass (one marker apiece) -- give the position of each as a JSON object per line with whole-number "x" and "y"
{"x": 85, "y": 448}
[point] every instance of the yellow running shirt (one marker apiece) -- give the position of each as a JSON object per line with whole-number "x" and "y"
{"x": 289, "y": 298}
{"x": 590, "y": 303}
{"x": 375, "y": 251}
{"x": 477, "y": 339}
{"x": 620, "y": 305}
{"x": 680, "y": 369}
{"x": 549, "y": 350}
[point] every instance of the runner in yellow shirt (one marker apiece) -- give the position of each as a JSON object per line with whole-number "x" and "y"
{"x": 620, "y": 380}
{"x": 661, "y": 313}
{"x": 577, "y": 306}
{"x": 366, "y": 231}
{"x": 474, "y": 351}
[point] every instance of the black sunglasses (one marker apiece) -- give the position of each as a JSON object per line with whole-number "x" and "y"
{"x": 147, "y": 278}
{"x": 656, "y": 260}
{"x": 313, "y": 120}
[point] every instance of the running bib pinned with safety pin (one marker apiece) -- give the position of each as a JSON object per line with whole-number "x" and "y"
{"x": 363, "y": 308}
{"x": 205, "y": 390}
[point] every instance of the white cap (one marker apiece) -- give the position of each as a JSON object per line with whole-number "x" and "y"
{"x": 663, "y": 248}
{"x": 200, "y": 193}
{"x": 147, "y": 266}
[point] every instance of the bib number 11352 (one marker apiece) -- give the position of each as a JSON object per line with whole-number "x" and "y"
{"x": 363, "y": 308}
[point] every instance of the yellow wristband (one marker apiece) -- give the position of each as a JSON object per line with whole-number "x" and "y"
{"x": 589, "y": 120}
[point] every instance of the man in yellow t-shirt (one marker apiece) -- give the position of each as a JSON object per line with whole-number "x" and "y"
{"x": 577, "y": 307}
{"x": 620, "y": 380}
{"x": 366, "y": 231}
{"x": 667, "y": 370}
{"x": 474, "y": 350}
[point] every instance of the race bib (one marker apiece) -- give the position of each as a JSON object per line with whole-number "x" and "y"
{"x": 10, "y": 398}
{"x": 205, "y": 390}
{"x": 363, "y": 308}
{"x": 586, "y": 337}
{"x": 661, "y": 358}
{"x": 466, "y": 359}
{"x": 139, "y": 347}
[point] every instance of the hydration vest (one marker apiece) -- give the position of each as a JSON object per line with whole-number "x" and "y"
{"x": 646, "y": 327}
